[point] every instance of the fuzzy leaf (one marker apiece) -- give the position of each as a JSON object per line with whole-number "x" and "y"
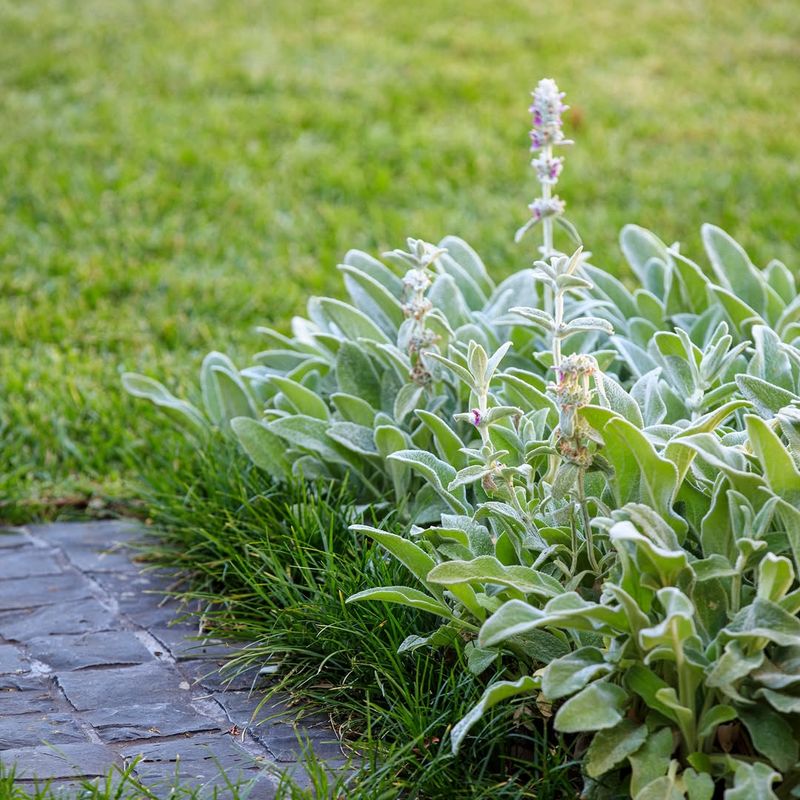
{"x": 265, "y": 449}
{"x": 570, "y": 673}
{"x": 487, "y": 569}
{"x": 494, "y": 694}
{"x": 301, "y": 397}
{"x": 404, "y": 596}
{"x": 651, "y": 760}
{"x": 597, "y": 707}
{"x": 611, "y": 747}
{"x": 753, "y": 782}
{"x": 182, "y": 412}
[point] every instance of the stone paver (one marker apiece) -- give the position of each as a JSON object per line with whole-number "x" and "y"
{"x": 77, "y": 616}
{"x": 98, "y": 668}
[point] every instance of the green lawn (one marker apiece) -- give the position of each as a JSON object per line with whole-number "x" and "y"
{"x": 172, "y": 174}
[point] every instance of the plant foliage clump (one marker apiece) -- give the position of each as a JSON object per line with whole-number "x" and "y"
{"x": 598, "y": 483}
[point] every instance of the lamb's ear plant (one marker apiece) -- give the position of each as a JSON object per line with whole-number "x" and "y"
{"x": 597, "y": 482}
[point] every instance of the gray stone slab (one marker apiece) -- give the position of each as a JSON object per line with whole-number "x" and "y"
{"x": 197, "y": 760}
{"x": 60, "y": 761}
{"x": 184, "y": 643}
{"x": 12, "y": 538}
{"x": 24, "y": 694}
{"x": 29, "y": 561}
{"x": 23, "y": 682}
{"x": 21, "y": 593}
{"x": 12, "y": 660}
{"x": 13, "y": 703}
{"x": 30, "y": 730}
{"x": 212, "y": 676}
{"x": 278, "y": 727}
{"x": 78, "y": 616}
{"x": 92, "y": 689}
{"x": 79, "y": 651}
{"x": 101, "y": 533}
{"x": 141, "y": 598}
{"x": 97, "y": 546}
{"x": 286, "y": 743}
{"x": 129, "y": 723}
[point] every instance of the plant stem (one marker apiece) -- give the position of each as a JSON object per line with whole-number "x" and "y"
{"x": 587, "y": 524}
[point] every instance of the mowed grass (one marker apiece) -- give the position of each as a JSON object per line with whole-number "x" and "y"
{"x": 172, "y": 174}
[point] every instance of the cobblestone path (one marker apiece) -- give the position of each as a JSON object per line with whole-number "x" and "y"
{"x": 95, "y": 671}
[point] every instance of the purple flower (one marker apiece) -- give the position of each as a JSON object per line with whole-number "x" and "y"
{"x": 546, "y": 110}
{"x": 476, "y": 417}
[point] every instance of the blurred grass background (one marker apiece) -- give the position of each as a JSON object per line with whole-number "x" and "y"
{"x": 172, "y": 174}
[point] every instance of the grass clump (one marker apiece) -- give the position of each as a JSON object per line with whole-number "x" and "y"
{"x": 273, "y": 566}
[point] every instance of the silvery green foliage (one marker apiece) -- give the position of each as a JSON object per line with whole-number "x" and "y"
{"x": 679, "y": 616}
{"x": 603, "y": 496}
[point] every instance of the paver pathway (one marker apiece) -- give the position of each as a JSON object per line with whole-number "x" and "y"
{"x": 96, "y": 671}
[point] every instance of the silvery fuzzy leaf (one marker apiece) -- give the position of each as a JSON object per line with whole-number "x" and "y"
{"x": 448, "y": 444}
{"x": 781, "y": 279}
{"x": 780, "y": 471}
{"x": 775, "y": 577}
{"x": 438, "y": 473}
{"x": 767, "y": 399}
{"x": 353, "y": 409}
{"x": 597, "y": 707}
{"x": 459, "y": 371}
{"x": 784, "y": 703}
{"x": 307, "y": 433}
{"x": 354, "y": 324}
{"x": 474, "y": 295}
{"x": 521, "y": 286}
{"x": 265, "y": 449}
{"x": 478, "y": 538}
{"x": 571, "y": 672}
{"x": 771, "y": 735}
{"x": 404, "y": 596}
{"x": 356, "y": 438}
{"x": 302, "y": 399}
{"x": 763, "y": 619}
{"x": 471, "y": 331}
{"x": 753, "y": 782}
{"x": 469, "y": 260}
{"x": 637, "y": 359}
{"x": 646, "y": 393}
{"x": 180, "y": 411}
{"x": 224, "y": 392}
{"x": 649, "y": 307}
{"x": 651, "y": 761}
{"x": 572, "y": 283}
{"x": 611, "y": 747}
{"x": 478, "y": 660}
{"x": 478, "y": 362}
{"x": 376, "y": 270}
{"x": 390, "y": 439}
{"x": 447, "y": 298}
{"x": 535, "y": 315}
{"x": 489, "y": 570}
{"x": 355, "y": 374}
{"x": 494, "y": 694}
{"x": 585, "y": 325}
{"x": 373, "y": 299}
{"x": 618, "y": 400}
{"x": 407, "y": 400}
{"x": 733, "y": 267}
{"x": 640, "y": 247}
{"x": 570, "y": 229}
{"x": 521, "y": 231}
{"x": 441, "y": 637}
{"x": 770, "y": 362}
{"x": 468, "y": 475}
{"x": 741, "y": 316}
